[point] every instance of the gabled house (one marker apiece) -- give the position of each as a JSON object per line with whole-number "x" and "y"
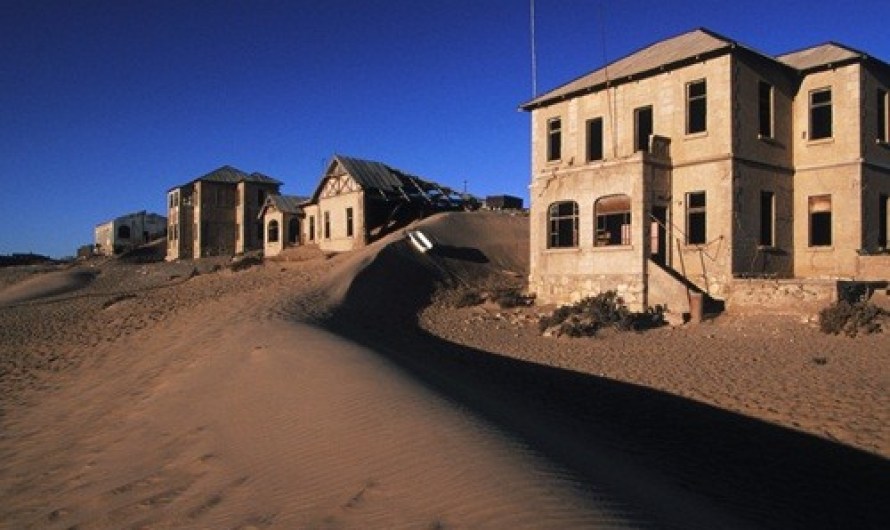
{"x": 357, "y": 201}
{"x": 697, "y": 161}
{"x": 217, "y": 214}
{"x": 281, "y": 215}
{"x": 128, "y": 231}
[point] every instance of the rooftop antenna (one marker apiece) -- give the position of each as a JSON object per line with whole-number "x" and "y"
{"x": 534, "y": 54}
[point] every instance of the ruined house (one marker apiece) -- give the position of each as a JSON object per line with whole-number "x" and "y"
{"x": 281, "y": 215}
{"x": 217, "y": 214}
{"x": 358, "y": 201}
{"x": 128, "y": 231}
{"x": 698, "y": 161}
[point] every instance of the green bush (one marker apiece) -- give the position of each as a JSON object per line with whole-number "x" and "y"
{"x": 851, "y": 318}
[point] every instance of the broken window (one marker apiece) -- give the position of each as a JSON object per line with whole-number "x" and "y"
{"x": 642, "y": 128}
{"x": 612, "y": 221}
{"x": 883, "y": 117}
{"x": 696, "y": 219}
{"x": 562, "y": 219}
{"x": 273, "y": 231}
{"x": 327, "y": 225}
{"x": 696, "y": 107}
{"x": 765, "y": 109}
{"x": 594, "y": 139}
{"x": 820, "y": 114}
{"x": 820, "y": 220}
{"x": 767, "y": 218}
{"x": 123, "y": 232}
{"x": 554, "y": 139}
{"x": 349, "y": 223}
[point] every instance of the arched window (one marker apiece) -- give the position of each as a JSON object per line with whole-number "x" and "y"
{"x": 273, "y": 231}
{"x": 123, "y": 232}
{"x": 293, "y": 231}
{"x": 562, "y": 221}
{"x": 612, "y": 215}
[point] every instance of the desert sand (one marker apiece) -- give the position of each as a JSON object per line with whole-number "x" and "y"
{"x": 344, "y": 392}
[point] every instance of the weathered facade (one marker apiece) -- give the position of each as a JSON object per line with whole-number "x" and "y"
{"x": 217, "y": 214}
{"x": 697, "y": 160}
{"x": 358, "y": 201}
{"x": 281, "y": 216}
{"x": 128, "y": 231}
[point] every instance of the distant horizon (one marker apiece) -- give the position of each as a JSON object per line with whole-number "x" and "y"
{"x": 110, "y": 104}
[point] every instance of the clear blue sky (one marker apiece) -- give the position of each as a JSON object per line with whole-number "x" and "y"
{"x": 107, "y": 104}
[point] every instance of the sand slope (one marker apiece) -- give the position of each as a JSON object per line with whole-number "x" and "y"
{"x": 312, "y": 395}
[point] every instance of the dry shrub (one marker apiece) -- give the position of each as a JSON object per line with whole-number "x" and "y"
{"x": 591, "y": 314}
{"x": 245, "y": 262}
{"x": 851, "y": 318}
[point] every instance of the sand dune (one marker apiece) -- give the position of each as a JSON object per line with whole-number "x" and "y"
{"x": 329, "y": 393}
{"x": 45, "y": 285}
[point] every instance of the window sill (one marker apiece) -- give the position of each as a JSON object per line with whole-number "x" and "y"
{"x": 695, "y": 135}
{"x": 820, "y": 141}
{"x": 826, "y": 248}
{"x": 883, "y": 143}
{"x": 562, "y": 250}
{"x": 770, "y": 141}
{"x": 612, "y": 248}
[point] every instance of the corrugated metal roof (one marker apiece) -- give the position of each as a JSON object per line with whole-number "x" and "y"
{"x": 370, "y": 174}
{"x": 822, "y": 55}
{"x": 286, "y": 203}
{"x": 661, "y": 54}
{"x": 260, "y": 178}
{"x": 227, "y": 174}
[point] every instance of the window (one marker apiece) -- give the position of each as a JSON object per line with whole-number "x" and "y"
{"x": 765, "y": 109}
{"x": 327, "y": 225}
{"x": 696, "y": 220}
{"x": 883, "y": 117}
{"x": 174, "y": 199}
{"x": 820, "y": 220}
{"x": 612, "y": 221}
{"x": 820, "y": 114}
{"x": 594, "y": 139}
{"x": 554, "y": 139}
{"x": 349, "y": 225}
{"x": 293, "y": 230}
{"x": 883, "y": 221}
{"x": 696, "y": 107}
{"x": 562, "y": 219}
{"x": 311, "y": 228}
{"x": 123, "y": 232}
{"x": 273, "y": 231}
{"x": 767, "y": 218}
{"x": 642, "y": 128}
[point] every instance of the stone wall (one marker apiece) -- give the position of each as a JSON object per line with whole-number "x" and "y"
{"x": 780, "y": 296}
{"x": 567, "y": 289}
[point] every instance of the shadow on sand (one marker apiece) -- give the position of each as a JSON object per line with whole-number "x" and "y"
{"x": 763, "y": 475}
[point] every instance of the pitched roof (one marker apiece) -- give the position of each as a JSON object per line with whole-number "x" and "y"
{"x": 261, "y": 179}
{"x": 370, "y": 174}
{"x": 819, "y": 56}
{"x": 656, "y": 57}
{"x": 231, "y": 175}
{"x": 291, "y": 204}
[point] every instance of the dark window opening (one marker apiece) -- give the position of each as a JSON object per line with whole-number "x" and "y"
{"x": 696, "y": 107}
{"x": 883, "y": 222}
{"x": 554, "y": 139}
{"x": 594, "y": 139}
{"x": 883, "y": 118}
{"x": 327, "y": 225}
{"x": 767, "y": 217}
{"x": 273, "y": 231}
{"x": 563, "y": 225}
{"x": 123, "y": 232}
{"x": 293, "y": 230}
{"x": 765, "y": 109}
{"x": 258, "y": 227}
{"x": 349, "y": 222}
{"x": 612, "y": 221}
{"x": 260, "y": 197}
{"x": 820, "y": 220}
{"x": 820, "y": 114}
{"x": 642, "y": 128}
{"x": 311, "y": 228}
{"x": 696, "y": 220}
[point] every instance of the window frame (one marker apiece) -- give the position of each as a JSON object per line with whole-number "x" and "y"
{"x": 766, "y": 107}
{"x": 826, "y": 234}
{"x": 767, "y": 234}
{"x": 556, "y": 225}
{"x": 815, "y": 115}
{"x": 326, "y": 229}
{"x": 692, "y": 216}
{"x": 350, "y": 228}
{"x": 883, "y": 116}
{"x": 604, "y": 223}
{"x": 640, "y": 143}
{"x": 272, "y": 231}
{"x": 311, "y": 228}
{"x": 554, "y": 139}
{"x": 589, "y": 153}
{"x": 692, "y": 110}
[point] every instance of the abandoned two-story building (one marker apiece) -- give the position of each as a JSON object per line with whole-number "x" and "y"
{"x": 128, "y": 231}
{"x": 217, "y": 214}
{"x": 700, "y": 160}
